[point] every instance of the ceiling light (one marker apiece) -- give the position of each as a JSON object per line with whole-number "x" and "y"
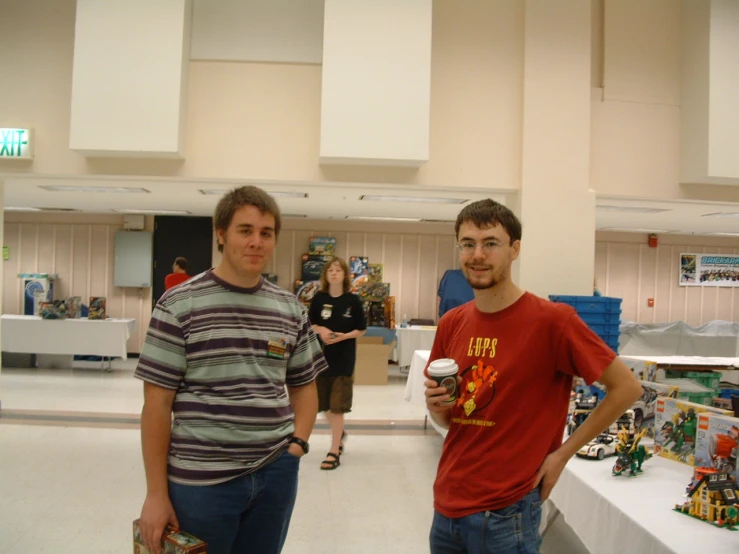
{"x": 722, "y": 234}
{"x": 278, "y": 193}
{"x": 625, "y": 230}
{"x": 294, "y": 215}
{"x": 373, "y": 218}
{"x": 153, "y": 212}
{"x": 70, "y": 188}
{"x": 630, "y": 209}
{"x": 14, "y": 209}
{"x": 438, "y": 220}
{"x": 722, "y": 214}
{"x": 379, "y": 198}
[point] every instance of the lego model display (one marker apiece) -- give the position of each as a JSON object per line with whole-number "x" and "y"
{"x": 173, "y": 542}
{"x": 676, "y": 427}
{"x": 600, "y": 447}
{"x": 631, "y": 454}
{"x": 712, "y": 498}
{"x": 716, "y": 444}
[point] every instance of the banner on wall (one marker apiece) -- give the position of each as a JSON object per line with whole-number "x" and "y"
{"x": 709, "y": 270}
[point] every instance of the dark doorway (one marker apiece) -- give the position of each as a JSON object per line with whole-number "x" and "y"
{"x": 190, "y": 237}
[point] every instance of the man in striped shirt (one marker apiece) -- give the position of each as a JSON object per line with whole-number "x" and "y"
{"x": 234, "y": 359}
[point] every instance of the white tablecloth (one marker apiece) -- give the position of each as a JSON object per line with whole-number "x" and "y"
{"x": 33, "y": 335}
{"x": 414, "y": 387}
{"x": 620, "y": 515}
{"x": 411, "y": 339}
{"x": 723, "y": 363}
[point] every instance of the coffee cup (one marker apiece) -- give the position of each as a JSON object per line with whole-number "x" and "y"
{"x": 444, "y": 372}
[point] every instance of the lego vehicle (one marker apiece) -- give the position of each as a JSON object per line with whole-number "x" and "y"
{"x": 626, "y": 421}
{"x": 583, "y": 408}
{"x": 600, "y": 447}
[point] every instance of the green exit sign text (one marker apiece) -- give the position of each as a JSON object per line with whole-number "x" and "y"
{"x": 16, "y": 143}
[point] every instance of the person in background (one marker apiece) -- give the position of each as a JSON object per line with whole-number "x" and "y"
{"x": 179, "y": 274}
{"x": 454, "y": 290}
{"x": 234, "y": 359}
{"x": 338, "y": 319}
{"x": 517, "y": 355}
{"x": 596, "y": 292}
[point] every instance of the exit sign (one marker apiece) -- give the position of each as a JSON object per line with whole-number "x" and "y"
{"x": 16, "y": 144}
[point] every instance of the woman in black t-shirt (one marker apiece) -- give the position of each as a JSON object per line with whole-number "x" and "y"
{"x": 338, "y": 319}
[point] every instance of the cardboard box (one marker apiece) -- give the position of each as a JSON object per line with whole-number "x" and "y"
{"x": 676, "y": 428}
{"x": 173, "y": 542}
{"x": 372, "y": 357}
{"x": 716, "y": 445}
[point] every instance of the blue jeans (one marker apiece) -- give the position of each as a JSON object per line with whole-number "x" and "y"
{"x": 249, "y": 514}
{"x": 511, "y": 530}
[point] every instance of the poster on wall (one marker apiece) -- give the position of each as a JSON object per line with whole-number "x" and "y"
{"x": 709, "y": 270}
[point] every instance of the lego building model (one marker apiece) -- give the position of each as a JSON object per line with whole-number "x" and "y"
{"x": 631, "y": 454}
{"x": 713, "y": 499}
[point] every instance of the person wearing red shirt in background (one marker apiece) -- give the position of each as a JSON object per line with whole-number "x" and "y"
{"x": 179, "y": 274}
{"x": 517, "y": 356}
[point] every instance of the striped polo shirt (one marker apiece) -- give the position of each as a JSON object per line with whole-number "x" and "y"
{"x": 228, "y": 352}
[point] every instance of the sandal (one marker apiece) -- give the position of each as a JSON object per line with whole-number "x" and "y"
{"x": 344, "y": 437}
{"x": 331, "y": 464}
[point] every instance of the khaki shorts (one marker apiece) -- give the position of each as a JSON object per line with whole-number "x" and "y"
{"x": 335, "y": 393}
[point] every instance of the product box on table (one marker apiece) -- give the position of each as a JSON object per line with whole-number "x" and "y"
{"x": 173, "y": 542}
{"x": 676, "y": 428}
{"x": 98, "y": 308}
{"x": 716, "y": 445}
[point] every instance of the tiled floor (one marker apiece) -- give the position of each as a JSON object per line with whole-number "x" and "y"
{"x": 75, "y": 487}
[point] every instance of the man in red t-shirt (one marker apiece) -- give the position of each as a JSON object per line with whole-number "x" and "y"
{"x": 179, "y": 274}
{"x": 517, "y": 356}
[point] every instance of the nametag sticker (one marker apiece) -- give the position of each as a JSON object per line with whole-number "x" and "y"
{"x": 277, "y": 349}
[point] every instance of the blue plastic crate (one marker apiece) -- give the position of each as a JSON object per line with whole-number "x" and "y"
{"x": 590, "y": 304}
{"x": 613, "y": 318}
{"x": 728, "y": 393}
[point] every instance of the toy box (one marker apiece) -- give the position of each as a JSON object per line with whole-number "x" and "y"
{"x": 374, "y": 273}
{"x": 645, "y": 408}
{"x": 312, "y": 267}
{"x": 173, "y": 542}
{"x": 358, "y": 265}
{"x": 324, "y": 246}
{"x": 97, "y": 308}
{"x": 74, "y": 307}
{"x": 716, "y": 444}
{"x": 56, "y": 309}
{"x": 676, "y": 428}
{"x": 644, "y": 370}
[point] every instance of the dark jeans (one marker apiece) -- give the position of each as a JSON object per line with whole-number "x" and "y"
{"x": 511, "y": 530}
{"x": 249, "y": 514}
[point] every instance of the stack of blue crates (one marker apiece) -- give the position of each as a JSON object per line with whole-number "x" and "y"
{"x": 601, "y": 313}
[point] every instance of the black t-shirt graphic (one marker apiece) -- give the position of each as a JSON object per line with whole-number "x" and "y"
{"x": 341, "y": 314}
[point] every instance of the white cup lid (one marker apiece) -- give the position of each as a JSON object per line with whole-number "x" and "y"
{"x": 443, "y": 366}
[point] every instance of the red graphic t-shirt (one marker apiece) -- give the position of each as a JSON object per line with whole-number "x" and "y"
{"x": 517, "y": 367}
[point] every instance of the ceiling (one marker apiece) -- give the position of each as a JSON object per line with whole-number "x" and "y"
{"x": 339, "y": 200}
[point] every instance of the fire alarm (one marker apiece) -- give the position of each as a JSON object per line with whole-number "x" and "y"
{"x": 650, "y": 302}
{"x": 653, "y": 241}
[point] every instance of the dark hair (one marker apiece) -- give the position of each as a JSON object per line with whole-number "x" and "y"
{"x": 345, "y": 269}
{"x": 244, "y": 196}
{"x": 489, "y": 213}
{"x": 181, "y": 263}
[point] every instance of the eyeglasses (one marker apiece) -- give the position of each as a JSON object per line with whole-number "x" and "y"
{"x": 488, "y": 247}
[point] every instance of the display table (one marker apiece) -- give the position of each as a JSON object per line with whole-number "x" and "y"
{"x": 411, "y": 339}
{"x": 616, "y": 515}
{"x": 415, "y": 389}
{"x": 92, "y": 337}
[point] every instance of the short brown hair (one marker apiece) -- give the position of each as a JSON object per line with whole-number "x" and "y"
{"x": 345, "y": 269}
{"x": 181, "y": 263}
{"x": 489, "y": 213}
{"x": 244, "y": 196}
